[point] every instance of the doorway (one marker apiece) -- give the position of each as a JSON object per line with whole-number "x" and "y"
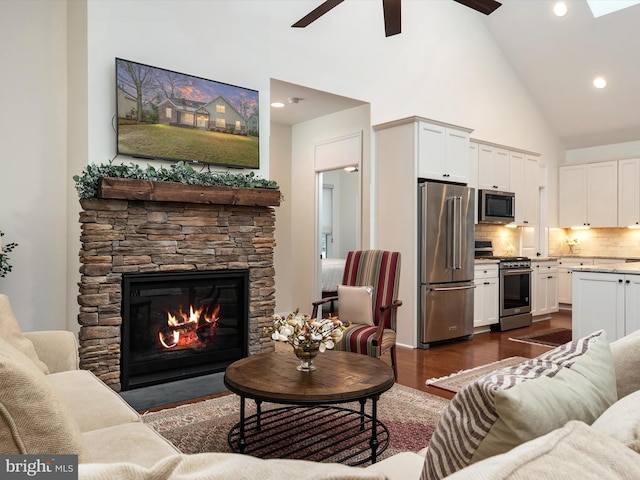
{"x": 338, "y": 216}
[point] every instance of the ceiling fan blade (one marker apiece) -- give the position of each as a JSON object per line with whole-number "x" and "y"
{"x": 482, "y": 6}
{"x": 316, "y": 13}
{"x": 392, "y": 18}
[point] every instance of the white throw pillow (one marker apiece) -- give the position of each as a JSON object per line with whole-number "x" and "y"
{"x": 513, "y": 405}
{"x": 10, "y": 331}
{"x": 355, "y": 304}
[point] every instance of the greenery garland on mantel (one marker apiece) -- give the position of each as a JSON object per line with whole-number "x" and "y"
{"x": 87, "y": 183}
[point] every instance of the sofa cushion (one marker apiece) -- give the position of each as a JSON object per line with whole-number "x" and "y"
{"x": 508, "y": 407}
{"x": 626, "y": 358}
{"x": 573, "y": 451}
{"x": 622, "y": 421}
{"x": 10, "y": 331}
{"x": 33, "y": 418}
{"x": 87, "y": 395}
{"x": 225, "y": 466}
{"x": 128, "y": 442}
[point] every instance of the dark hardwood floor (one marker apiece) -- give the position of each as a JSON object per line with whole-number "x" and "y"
{"x": 415, "y": 366}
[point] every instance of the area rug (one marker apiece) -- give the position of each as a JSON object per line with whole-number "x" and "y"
{"x": 409, "y": 415}
{"x": 456, "y": 381}
{"x": 550, "y": 338}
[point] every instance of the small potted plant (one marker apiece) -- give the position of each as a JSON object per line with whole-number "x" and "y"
{"x": 5, "y": 267}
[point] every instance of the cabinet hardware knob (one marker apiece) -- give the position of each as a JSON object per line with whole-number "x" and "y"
{"x": 628, "y": 281}
{"x": 619, "y": 280}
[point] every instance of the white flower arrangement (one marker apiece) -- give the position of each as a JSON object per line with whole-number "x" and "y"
{"x": 299, "y": 330}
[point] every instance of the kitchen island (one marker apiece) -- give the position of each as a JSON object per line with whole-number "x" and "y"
{"x": 606, "y": 297}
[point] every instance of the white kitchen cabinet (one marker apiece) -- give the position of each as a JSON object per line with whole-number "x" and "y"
{"x": 608, "y": 301}
{"x": 544, "y": 287}
{"x": 473, "y": 165}
{"x": 485, "y": 301}
{"x": 443, "y": 153}
{"x": 588, "y": 195}
{"x": 629, "y": 192}
{"x": 523, "y": 181}
{"x": 565, "y": 265}
{"x": 493, "y": 168}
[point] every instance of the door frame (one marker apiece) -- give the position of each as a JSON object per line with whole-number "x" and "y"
{"x": 334, "y": 154}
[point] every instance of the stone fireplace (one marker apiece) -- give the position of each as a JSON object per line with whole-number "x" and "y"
{"x": 122, "y": 237}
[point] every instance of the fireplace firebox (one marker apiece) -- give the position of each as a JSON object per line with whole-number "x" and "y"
{"x": 182, "y": 324}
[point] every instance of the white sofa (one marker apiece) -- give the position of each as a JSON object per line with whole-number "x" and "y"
{"x": 49, "y": 406}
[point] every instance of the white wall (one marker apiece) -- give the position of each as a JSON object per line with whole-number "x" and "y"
{"x": 34, "y": 180}
{"x": 280, "y": 169}
{"x": 444, "y": 66}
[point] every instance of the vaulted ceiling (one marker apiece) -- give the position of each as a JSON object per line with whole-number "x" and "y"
{"x": 556, "y": 59}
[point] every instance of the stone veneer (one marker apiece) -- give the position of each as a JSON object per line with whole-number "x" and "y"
{"x": 122, "y": 236}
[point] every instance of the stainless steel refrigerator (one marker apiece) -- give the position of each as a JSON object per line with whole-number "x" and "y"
{"x": 446, "y": 258}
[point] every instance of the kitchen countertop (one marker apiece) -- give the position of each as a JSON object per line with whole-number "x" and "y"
{"x": 632, "y": 268}
{"x": 486, "y": 261}
{"x": 577, "y": 257}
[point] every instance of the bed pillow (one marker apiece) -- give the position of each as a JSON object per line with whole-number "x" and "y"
{"x": 355, "y": 304}
{"x": 10, "y": 331}
{"x": 506, "y": 408}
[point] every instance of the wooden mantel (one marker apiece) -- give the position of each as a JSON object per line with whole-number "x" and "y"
{"x": 148, "y": 190}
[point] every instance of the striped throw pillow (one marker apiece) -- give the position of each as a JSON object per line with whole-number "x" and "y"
{"x": 506, "y": 408}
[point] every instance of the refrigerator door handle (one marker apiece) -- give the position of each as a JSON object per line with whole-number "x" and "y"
{"x": 444, "y": 289}
{"x": 451, "y": 233}
{"x": 457, "y": 202}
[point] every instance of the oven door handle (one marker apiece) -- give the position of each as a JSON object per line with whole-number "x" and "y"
{"x": 516, "y": 272}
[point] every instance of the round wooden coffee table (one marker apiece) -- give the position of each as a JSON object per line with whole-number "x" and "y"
{"x": 311, "y": 428}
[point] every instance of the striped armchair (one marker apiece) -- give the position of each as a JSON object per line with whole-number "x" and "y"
{"x": 381, "y": 271}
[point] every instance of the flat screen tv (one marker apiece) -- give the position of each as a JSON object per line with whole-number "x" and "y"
{"x": 166, "y": 115}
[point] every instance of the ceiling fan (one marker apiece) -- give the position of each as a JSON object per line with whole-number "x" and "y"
{"x": 391, "y": 10}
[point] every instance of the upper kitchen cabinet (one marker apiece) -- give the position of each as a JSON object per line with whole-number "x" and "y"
{"x": 493, "y": 168}
{"x": 629, "y": 192}
{"x": 523, "y": 181}
{"x": 588, "y": 195}
{"x": 443, "y": 152}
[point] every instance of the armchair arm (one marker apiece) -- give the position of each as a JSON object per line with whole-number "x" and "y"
{"x": 385, "y": 312}
{"x": 316, "y": 304}
{"x": 58, "y": 349}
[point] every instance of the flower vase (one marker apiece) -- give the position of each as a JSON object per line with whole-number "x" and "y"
{"x": 306, "y": 354}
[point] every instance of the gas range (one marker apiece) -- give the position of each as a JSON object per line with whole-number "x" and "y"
{"x": 505, "y": 263}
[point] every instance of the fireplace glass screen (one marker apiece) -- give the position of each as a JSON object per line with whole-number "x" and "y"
{"x": 180, "y": 325}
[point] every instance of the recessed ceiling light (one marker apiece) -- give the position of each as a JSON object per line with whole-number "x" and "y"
{"x": 599, "y": 82}
{"x": 560, "y": 9}
{"x": 277, "y": 104}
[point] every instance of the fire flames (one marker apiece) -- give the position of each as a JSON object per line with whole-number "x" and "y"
{"x": 188, "y": 329}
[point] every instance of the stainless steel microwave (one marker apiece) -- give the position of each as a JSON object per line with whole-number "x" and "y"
{"x": 495, "y": 206}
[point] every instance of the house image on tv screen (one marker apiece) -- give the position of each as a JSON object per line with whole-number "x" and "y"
{"x": 218, "y": 115}
{"x": 168, "y": 115}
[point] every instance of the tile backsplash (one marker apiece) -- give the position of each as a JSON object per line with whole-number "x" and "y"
{"x": 506, "y": 241}
{"x": 595, "y": 242}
